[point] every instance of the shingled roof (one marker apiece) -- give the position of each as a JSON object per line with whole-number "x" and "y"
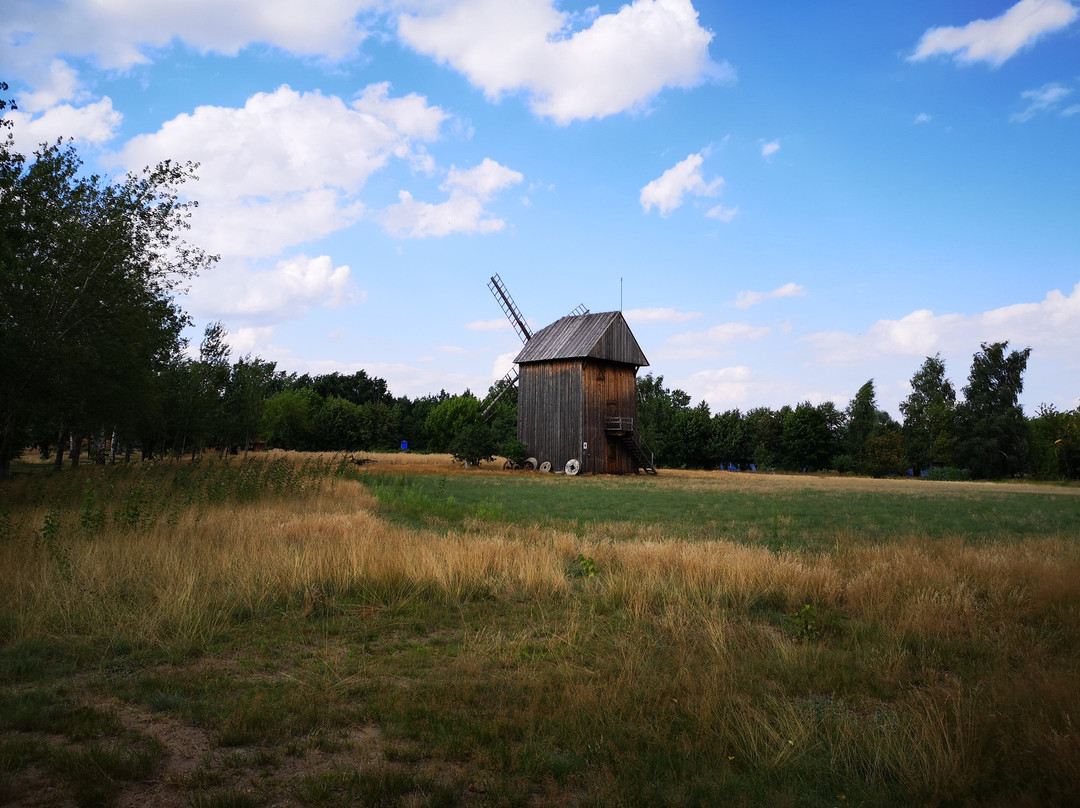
{"x": 595, "y": 336}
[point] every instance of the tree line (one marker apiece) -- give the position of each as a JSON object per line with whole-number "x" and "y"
{"x": 93, "y": 354}
{"x": 985, "y": 434}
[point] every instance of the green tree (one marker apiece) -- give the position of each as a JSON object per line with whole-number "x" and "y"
{"x": 474, "y": 443}
{"x": 1055, "y": 443}
{"x": 806, "y": 441}
{"x": 88, "y": 275}
{"x": 657, "y": 407}
{"x": 929, "y": 412}
{"x": 688, "y": 442}
{"x": 728, "y": 439}
{"x": 764, "y": 429}
{"x": 861, "y": 423}
{"x": 994, "y": 431}
{"x": 288, "y": 419}
{"x": 244, "y": 402}
{"x": 449, "y": 418}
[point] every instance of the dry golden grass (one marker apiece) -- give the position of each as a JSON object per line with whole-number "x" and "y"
{"x": 925, "y": 666}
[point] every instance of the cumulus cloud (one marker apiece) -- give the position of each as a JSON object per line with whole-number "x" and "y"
{"x": 998, "y": 39}
{"x": 721, "y": 386}
{"x": 262, "y": 298}
{"x": 483, "y": 181}
{"x": 666, "y": 192}
{"x": 710, "y": 342}
{"x": 723, "y": 214}
{"x": 409, "y": 115}
{"x": 1044, "y": 99}
{"x": 618, "y": 62}
{"x": 286, "y": 167}
{"x": 659, "y": 315}
{"x": 770, "y": 148}
{"x": 122, "y": 33}
{"x": 93, "y": 124}
{"x": 1052, "y": 325}
{"x": 410, "y": 218}
{"x": 745, "y": 300}
{"x": 463, "y": 212}
{"x": 53, "y": 85}
{"x": 504, "y": 363}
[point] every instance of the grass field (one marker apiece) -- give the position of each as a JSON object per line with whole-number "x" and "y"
{"x": 294, "y": 630}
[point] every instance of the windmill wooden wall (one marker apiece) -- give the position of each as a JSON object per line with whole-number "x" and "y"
{"x": 576, "y": 374}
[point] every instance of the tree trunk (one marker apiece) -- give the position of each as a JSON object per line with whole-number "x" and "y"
{"x": 7, "y": 445}
{"x": 58, "y": 461}
{"x": 99, "y": 449}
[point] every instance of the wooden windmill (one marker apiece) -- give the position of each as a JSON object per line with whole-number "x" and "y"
{"x": 577, "y": 390}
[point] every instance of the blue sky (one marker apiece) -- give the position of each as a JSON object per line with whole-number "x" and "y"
{"x": 787, "y": 198}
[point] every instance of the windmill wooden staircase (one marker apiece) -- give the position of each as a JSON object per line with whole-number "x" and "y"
{"x": 623, "y": 430}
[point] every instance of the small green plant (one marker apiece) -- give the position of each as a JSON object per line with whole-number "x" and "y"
{"x": 7, "y": 523}
{"x": 58, "y": 551}
{"x": 806, "y": 623}
{"x": 515, "y": 451}
{"x": 584, "y": 567}
{"x": 91, "y": 514}
{"x": 949, "y": 474}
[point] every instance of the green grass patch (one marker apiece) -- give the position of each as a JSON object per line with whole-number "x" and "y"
{"x": 808, "y": 518}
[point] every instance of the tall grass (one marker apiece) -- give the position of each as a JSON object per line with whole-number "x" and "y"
{"x": 923, "y": 669}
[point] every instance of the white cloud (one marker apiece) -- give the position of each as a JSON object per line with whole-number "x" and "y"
{"x": 1052, "y": 326}
{"x": 922, "y": 117}
{"x": 250, "y": 340}
{"x": 722, "y": 387}
{"x": 659, "y": 315}
{"x": 262, "y": 298}
{"x": 286, "y": 167}
{"x": 92, "y": 123}
{"x": 1045, "y": 99}
{"x": 998, "y": 39}
{"x": 771, "y": 148}
{"x": 666, "y": 192}
{"x": 618, "y": 63}
{"x": 459, "y": 214}
{"x": 463, "y": 212}
{"x": 483, "y": 181}
{"x": 409, "y": 115}
{"x": 121, "y": 33}
{"x": 745, "y": 300}
{"x": 723, "y": 214}
{"x": 53, "y": 85}
{"x": 504, "y": 363}
{"x": 711, "y": 342}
